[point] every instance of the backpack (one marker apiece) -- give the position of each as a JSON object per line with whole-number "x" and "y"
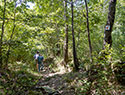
{"x": 40, "y": 59}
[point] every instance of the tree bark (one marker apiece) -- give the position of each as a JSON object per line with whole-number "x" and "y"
{"x": 76, "y": 68}
{"x": 109, "y": 23}
{"x": 89, "y": 39}
{"x": 66, "y": 33}
{"x": 2, "y": 34}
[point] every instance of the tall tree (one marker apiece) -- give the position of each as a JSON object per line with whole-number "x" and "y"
{"x": 11, "y": 37}
{"x": 87, "y": 18}
{"x": 2, "y": 33}
{"x": 109, "y": 23}
{"x": 76, "y": 68}
{"x": 66, "y": 33}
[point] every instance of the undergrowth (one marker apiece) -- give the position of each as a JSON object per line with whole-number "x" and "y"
{"x": 19, "y": 79}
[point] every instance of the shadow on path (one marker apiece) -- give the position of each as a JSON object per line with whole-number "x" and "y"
{"x": 60, "y": 82}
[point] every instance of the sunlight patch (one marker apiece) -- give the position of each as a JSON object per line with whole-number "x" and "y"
{"x": 19, "y": 62}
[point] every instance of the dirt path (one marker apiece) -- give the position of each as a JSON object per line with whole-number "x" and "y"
{"x": 55, "y": 81}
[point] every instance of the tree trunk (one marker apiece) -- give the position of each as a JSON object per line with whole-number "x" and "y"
{"x": 2, "y": 34}
{"x": 89, "y": 40}
{"x": 11, "y": 37}
{"x": 58, "y": 51}
{"x": 66, "y": 33}
{"x": 76, "y": 68}
{"x": 109, "y": 23}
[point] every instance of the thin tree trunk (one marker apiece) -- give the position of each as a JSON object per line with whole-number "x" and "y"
{"x": 109, "y": 23}
{"x": 76, "y": 68}
{"x": 66, "y": 33}
{"x": 2, "y": 34}
{"x": 58, "y": 50}
{"x": 11, "y": 37}
{"x": 90, "y": 46}
{"x": 78, "y": 38}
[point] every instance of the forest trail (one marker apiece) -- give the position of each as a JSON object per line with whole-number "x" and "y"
{"x": 54, "y": 82}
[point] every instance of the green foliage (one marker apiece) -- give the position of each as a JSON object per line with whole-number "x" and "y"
{"x": 104, "y": 72}
{"x": 42, "y": 28}
{"x": 20, "y": 79}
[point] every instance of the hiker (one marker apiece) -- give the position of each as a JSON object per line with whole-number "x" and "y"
{"x": 36, "y": 59}
{"x": 40, "y": 63}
